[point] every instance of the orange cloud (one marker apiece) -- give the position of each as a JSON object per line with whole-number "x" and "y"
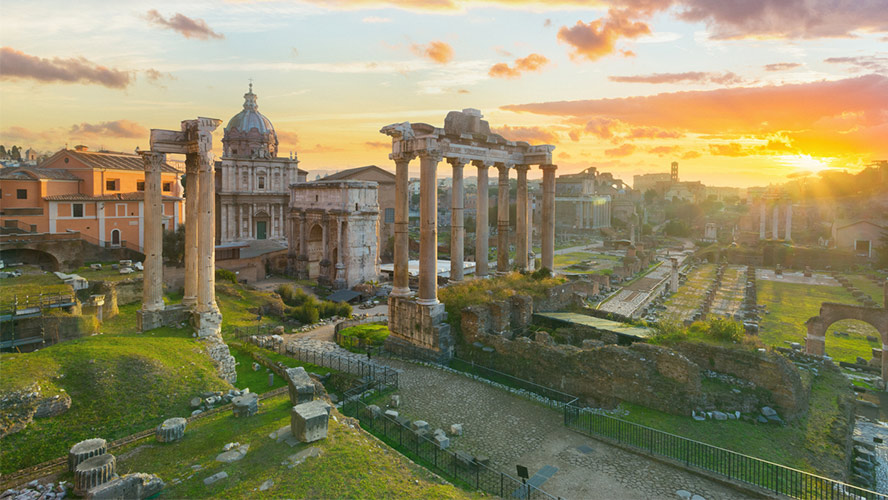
{"x": 16, "y": 64}
{"x": 184, "y": 25}
{"x": 117, "y": 128}
{"x": 726, "y": 78}
{"x": 730, "y": 149}
{"x": 287, "y": 138}
{"x": 378, "y": 145}
{"x": 527, "y": 134}
{"x": 652, "y": 133}
{"x": 622, "y": 150}
{"x": 533, "y": 62}
{"x": 594, "y": 40}
{"x": 690, "y": 155}
{"x": 781, "y": 66}
{"x": 437, "y": 51}
{"x": 663, "y": 150}
{"x": 827, "y": 118}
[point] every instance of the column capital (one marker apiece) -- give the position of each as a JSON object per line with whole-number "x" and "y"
{"x": 456, "y": 162}
{"x": 502, "y": 167}
{"x": 430, "y": 154}
{"x": 548, "y": 167}
{"x": 482, "y": 164}
{"x": 522, "y": 167}
{"x": 153, "y": 160}
{"x": 403, "y": 157}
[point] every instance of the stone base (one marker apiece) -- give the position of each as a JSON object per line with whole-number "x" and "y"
{"x": 171, "y": 316}
{"x": 308, "y": 421}
{"x": 130, "y": 486}
{"x": 420, "y": 325}
{"x": 207, "y": 324}
{"x": 339, "y": 284}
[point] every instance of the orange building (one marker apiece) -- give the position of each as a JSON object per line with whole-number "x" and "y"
{"x": 99, "y": 194}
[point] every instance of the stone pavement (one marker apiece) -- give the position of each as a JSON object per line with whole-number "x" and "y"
{"x": 511, "y": 430}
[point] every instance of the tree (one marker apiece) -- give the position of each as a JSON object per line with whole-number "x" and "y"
{"x": 174, "y": 245}
{"x": 650, "y": 196}
{"x": 3, "y": 154}
{"x": 883, "y": 250}
{"x": 15, "y": 154}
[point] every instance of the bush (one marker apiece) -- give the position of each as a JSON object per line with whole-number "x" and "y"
{"x": 541, "y": 273}
{"x": 306, "y": 313}
{"x": 726, "y": 330}
{"x": 293, "y": 296}
{"x": 226, "y": 275}
{"x": 363, "y": 335}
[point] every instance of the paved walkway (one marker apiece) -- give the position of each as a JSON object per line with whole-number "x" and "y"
{"x": 511, "y": 430}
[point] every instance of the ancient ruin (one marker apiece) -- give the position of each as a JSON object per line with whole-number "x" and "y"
{"x": 195, "y": 141}
{"x": 465, "y": 138}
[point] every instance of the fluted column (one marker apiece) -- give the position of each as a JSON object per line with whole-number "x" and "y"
{"x": 482, "y": 231}
{"x": 788, "y": 230}
{"x": 206, "y": 244}
{"x": 502, "y": 220}
{"x": 457, "y": 231}
{"x": 401, "y": 284}
{"x": 192, "y": 227}
{"x": 548, "y": 222}
{"x": 522, "y": 224}
{"x": 152, "y": 287}
{"x": 775, "y": 231}
{"x": 763, "y": 219}
{"x": 428, "y": 228}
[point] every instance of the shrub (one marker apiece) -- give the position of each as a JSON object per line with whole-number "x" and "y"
{"x": 293, "y": 296}
{"x": 542, "y": 273}
{"x": 226, "y": 275}
{"x": 306, "y": 313}
{"x": 725, "y": 330}
{"x": 286, "y": 293}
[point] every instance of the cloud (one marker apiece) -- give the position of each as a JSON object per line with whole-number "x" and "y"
{"x": 285, "y": 137}
{"x": 663, "y": 150}
{"x": 437, "y": 51}
{"x": 594, "y": 40}
{"x": 622, "y": 150}
{"x": 730, "y": 149}
{"x": 118, "y": 128}
{"x": 652, "y": 133}
{"x": 184, "y": 25}
{"x": 320, "y": 148}
{"x": 527, "y": 134}
{"x": 16, "y": 64}
{"x": 726, "y": 78}
{"x": 378, "y": 145}
{"x": 375, "y": 20}
{"x": 825, "y": 118}
{"x": 27, "y": 135}
{"x": 781, "y": 66}
{"x": 690, "y": 155}
{"x": 875, "y": 64}
{"x": 533, "y": 62}
{"x": 601, "y": 127}
{"x": 503, "y": 52}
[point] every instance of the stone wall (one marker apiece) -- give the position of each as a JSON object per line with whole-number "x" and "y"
{"x": 571, "y": 293}
{"x": 420, "y": 325}
{"x": 117, "y": 293}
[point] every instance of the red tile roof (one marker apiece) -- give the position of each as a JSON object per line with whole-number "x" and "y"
{"x": 137, "y": 196}
{"x": 110, "y": 160}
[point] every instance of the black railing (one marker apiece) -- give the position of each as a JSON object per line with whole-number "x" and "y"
{"x": 776, "y": 478}
{"x": 382, "y": 375}
{"x": 24, "y": 304}
{"x": 551, "y": 397}
{"x": 462, "y": 469}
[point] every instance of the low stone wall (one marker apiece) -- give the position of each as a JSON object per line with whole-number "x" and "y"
{"x": 421, "y": 325}
{"x": 572, "y": 293}
{"x": 117, "y": 293}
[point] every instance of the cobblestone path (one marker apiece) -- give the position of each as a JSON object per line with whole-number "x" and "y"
{"x": 511, "y": 430}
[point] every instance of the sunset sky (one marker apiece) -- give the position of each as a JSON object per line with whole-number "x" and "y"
{"x": 738, "y": 92}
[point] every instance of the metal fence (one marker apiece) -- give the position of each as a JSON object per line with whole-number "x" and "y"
{"x": 382, "y": 375}
{"x": 777, "y": 478}
{"x": 460, "y": 468}
{"x": 551, "y": 397}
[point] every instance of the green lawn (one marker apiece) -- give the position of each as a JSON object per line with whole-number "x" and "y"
{"x": 32, "y": 282}
{"x": 351, "y": 464}
{"x": 790, "y": 305}
{"x": 106, "y": 273}
{"x": 257, "y": 381}
{"x": 690, "y": 294}
{"x": 806, "y": 444}
{"x": 589, "y": 261}
{"x": 865, "y": 285}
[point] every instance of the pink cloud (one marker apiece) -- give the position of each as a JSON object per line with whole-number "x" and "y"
{"x": 184, "y": 25}
{"x": 16, "y": 64}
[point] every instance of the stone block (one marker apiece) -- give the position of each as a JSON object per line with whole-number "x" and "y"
{"x": 767, "y": 411}
{"x": 442, "y": 441}
{"x": 395, "y": 401}
{"x": 215, "y": 478}
{"x": 373, "y": 411}
{"x": 391, "y": 414}
{"x": 130, "y": 486}
{"x": 420, "y": 427}
{"x": 456, "y": 430}
{"x": 308, "y": 421}
{"x": 246, "y": 405}
{"x": 172, "y": 429}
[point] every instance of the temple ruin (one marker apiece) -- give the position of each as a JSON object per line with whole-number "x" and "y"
{"x": 465, "y": 139}
{"x": 195, "y": 141}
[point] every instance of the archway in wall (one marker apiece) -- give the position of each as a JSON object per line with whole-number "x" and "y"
{"x": 115, "y": 237}
{"x": 838, "y": 314}
{"x": 848, "y": 339}
{"x": 43, "y": 260}
{"x": 315, "y": 250}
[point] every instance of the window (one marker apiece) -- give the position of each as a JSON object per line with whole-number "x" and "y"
{"x": 112, "y": 184}
{"x": 140, "y": 185}
{"x": 77, "y": 209}
{"x": 389, "y": 215}
{"x": 120, "y": 209}
{"x": 21, "y": 194}
{"x": 261, "y": 182}
{"x": 167, "y": 187}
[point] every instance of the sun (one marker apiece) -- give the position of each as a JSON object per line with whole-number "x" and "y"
{"x": 805, "y": 162}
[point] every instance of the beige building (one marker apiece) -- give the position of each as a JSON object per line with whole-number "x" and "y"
{"x": 333, "y": 232}
{"x": 252, "y": 182}
{"x": 862, "y": 237}
{"x": 386, "y": 197}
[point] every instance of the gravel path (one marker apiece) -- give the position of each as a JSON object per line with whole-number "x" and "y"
{"x": 511, "y": 430}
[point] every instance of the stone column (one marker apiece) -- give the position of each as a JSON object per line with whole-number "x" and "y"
{"x": 482, "y": 231}
{"x": 502, "y": 220}
{"x": 192, "y": 227}
{"x": 428, "y": 228}
{"x": 763, "y": 219}
{"x": 339, "y": 266}
{"x": 548, "y": 222}
{"x": 401, "y": 285}
{"x": 206, "y": 245}
{"x": 457, "y": 230}
{"x": 522, "y": 224}
{"x": 152, "y": 288}
{"x": 788, "y": 230}
{"x": 775, "y": 230}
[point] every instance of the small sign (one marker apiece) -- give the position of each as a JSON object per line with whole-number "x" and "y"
{"x": 522, "y": 472}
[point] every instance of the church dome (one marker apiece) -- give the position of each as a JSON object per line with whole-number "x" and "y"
{"x": 249, "y": 134}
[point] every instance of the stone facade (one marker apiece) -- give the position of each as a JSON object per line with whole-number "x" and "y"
{"x": 252, "y": 182}
{"x": 421, "y": 326}
{"x": 333, "y": 232}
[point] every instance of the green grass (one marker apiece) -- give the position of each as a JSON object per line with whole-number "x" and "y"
{"x": 865, "y": 285}
{"x": 240, "y": 305}
{"x": 352, "y": 464}
{"x": 32, "y": 282}
{"x": 118, "y": 385}
{"x": 106, "y": 273}
{"x": 807, "y": 444}
{"x": 790, "y": 305}
{"x": 373, "y": 334}
{"x": 257, "y": 381}
{"x": 600, "y": 262}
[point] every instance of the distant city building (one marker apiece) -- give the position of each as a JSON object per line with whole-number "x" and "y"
{"x": 722, "y": 193}
{"x": 252, "y": 182}
{"x": 577, "y": 204}
{"x": 386, "y": 196}
{"x": 98, "y": 194}
{"x": 644, "y": 182}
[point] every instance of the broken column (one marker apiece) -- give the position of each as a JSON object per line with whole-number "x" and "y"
{"x": 522, "y": 224}
{"x": 673, "y": 278}
{"x": 300, "y": 386}
{"x": 172, "y": 429}
{"x": 428, "y": 228}
{"x": 401, "y": 286}
{"x": 502, "y": 220}
{"x": 94, "y": 471}
{"x": 482, "y": 231}
{"x": 548, "y": 222}
{"x": 85, "y": 450}
{"x": 763, "y": 219}
{"x": 457, "y": 231}
{"x": 787, "y": 235}
{"x": 308, "y": 421}
{"x": 775, "y": 230}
